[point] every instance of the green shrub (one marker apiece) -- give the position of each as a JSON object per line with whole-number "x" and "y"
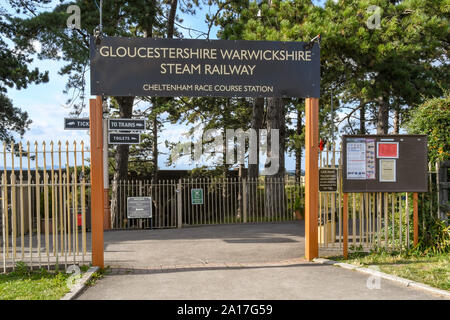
{"x": 435, "y": 239}
{"x": 432, "y": 118}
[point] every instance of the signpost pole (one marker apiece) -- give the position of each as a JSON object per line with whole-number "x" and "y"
{"x": 312, "y": 177}
{"x": 416, "y": 217}
{"x": 97, "y": 202}
{"x": 345, "y": 226}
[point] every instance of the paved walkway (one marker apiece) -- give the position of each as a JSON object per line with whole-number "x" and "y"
{"x": 252, "y": 261}
{"x": 239, "y": 243}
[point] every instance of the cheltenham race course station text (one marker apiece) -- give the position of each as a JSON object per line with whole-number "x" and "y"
{"x": 224, "y": 68}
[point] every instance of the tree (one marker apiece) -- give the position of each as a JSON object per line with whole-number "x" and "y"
{"x": 272, "y": 21}
{"x": 137, "y": 18}
{"x": 215, "y": 114}
{"x": 14, "y": 73}
{"x": 433, "y": 119}
{"x": 393, "y": 67}
{"x": 296, "y": 137}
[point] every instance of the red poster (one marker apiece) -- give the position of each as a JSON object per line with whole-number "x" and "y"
{"x": 387, "y": 150}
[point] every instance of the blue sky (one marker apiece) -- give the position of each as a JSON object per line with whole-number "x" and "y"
{"x": 45, "y": 104}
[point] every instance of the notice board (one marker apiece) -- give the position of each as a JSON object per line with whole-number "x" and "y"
{"x": 385, "y": 163}
{"x": 328, "y": 179}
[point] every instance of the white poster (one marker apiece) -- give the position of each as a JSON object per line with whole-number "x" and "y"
{"x": 388, "y": 170}
{"x": 356, "y": 159}
{"x": 370, "y": 159}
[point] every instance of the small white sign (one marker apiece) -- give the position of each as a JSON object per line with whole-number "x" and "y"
{"x": 388, "y": 170}
{"x": 139, "y": 207}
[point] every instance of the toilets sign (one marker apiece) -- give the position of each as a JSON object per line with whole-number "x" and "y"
{"x": 216, "y": 68}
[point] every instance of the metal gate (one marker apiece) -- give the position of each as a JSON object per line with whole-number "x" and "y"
{"x": 164, "y": 204}
{"x": 223, "y": 201}
{"x": 45, "y": 198}
{"x": 376, "y": 220}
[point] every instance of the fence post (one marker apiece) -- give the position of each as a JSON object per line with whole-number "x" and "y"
{"x": 443, "y": 186}
{"x": 244, "y": 199}
{"x": 345, "y": 226}
{"x": 3, "y": 210}
{"x": 416, "y": 217}
{"x": 179, "y": 206}
{"x": 438, "y": 188}
{"x": 139, "y": 194}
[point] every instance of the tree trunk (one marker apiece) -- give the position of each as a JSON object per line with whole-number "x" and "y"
{"x": 383, "y": 115}
{"x": 274, "y": 184}
{"x": 171, "y": 18}
{"x": 298, "y": 150}
{"x": 257, "y": 119}
{"x": 170, "y": 33}
{"x": 155, "y": 150}
{"x": 121, "y": 173}
{"x": 396, "y": 121}
{"x": 253, "y": 169}
{"x": 362, "y": 119}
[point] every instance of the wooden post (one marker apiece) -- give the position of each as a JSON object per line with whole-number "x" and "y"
{"x": 312, "y": 177}
{"x": 345, "y": 226}
{"x": 416, "y": 217}
{"x": 97, "y": 202}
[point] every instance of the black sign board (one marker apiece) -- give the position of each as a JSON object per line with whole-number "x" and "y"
{"x": 328, "y": 180}
{"x": 126, "y": 124}
{"x": 385, "y": 163}
{"x": 76, "y": 123}
{"x": 123, "y": 138}
{"x": 139, "y": 207}
{"x": 216, "y": 68}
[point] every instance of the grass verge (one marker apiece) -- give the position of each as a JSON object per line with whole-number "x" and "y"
{"x": 431, "y": 270}
{"x": 26, "y": 284}
{"x": 97, "y": 275}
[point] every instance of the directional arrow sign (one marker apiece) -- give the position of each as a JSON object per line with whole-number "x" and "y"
{"x": 124, "y": 138}
{"x": 126, "y": 124}
{"x": 76, "y": 124}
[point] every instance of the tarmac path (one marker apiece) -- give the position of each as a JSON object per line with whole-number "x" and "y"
{"x": 248, "y": 261}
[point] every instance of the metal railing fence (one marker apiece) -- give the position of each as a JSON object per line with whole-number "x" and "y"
{"x": 44, "y": 204}
{"x": 224, "y": 200}
{"x": 375, "y": 220}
